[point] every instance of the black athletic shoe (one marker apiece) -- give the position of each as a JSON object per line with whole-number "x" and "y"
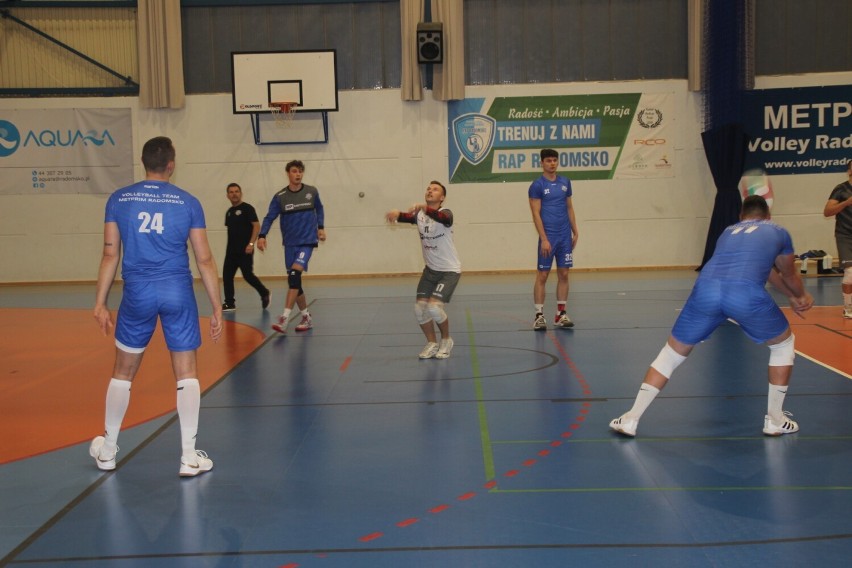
{"x": 226, "y": 307}
{"x": 264, "y": 300}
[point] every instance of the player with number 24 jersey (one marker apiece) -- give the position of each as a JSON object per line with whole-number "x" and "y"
{"x": 154, "y": 219}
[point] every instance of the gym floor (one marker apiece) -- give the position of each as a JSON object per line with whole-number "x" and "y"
{"x": 338, "y": 447}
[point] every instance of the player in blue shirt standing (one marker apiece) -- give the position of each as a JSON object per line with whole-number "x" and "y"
{"x": 733, "y": 285}
{"x": 553, "y": 217}
{"x": 153, "y": 220}
{"x": 302, "y": 220}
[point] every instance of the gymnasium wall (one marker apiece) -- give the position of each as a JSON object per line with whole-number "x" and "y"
{"x": 389, "y": 150}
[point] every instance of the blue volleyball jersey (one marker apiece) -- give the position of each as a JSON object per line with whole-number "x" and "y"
{"x": 154, "y": 219}
{"x": 554, "y": 208}
{"x": 746, "y": 251}
{"x": 298, "y": 227}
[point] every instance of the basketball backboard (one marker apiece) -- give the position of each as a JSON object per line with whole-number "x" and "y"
{"x": 307, "y": 78}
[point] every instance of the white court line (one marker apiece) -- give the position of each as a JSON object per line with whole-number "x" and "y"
{"x": 821, "y": 364}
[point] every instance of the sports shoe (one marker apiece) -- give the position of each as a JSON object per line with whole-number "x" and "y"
{"x": 625, "y": 425}
{"x": 429, "y": 351}
{"x": 103, "y": 461}
{"x": 445, "y": 349}
{"x": 281, "y": 325}
{"x": 772, "y": 428}
{"x": 563, "y": 321}
{"x": 847, "y": 313}
{"x": 191, "y": 468}
{"x": 264, "y": 300}
{"x": 226, "y": 307}
{"x": 305, "y": 324}
{"x": 540, "y": 323}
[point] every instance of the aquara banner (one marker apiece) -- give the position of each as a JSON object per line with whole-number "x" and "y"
{"x": 799, "y": 130}
{"x": 611, "y": 136}
{"x": 51, "y": 151}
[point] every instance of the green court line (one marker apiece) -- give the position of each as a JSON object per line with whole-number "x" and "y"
{"x": 672, "y": 489}
{"x": 484, "y": 434}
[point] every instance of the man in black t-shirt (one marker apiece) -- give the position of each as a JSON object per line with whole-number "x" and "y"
{"x": 839, "y": 206}
{"x": 243, "y": 227}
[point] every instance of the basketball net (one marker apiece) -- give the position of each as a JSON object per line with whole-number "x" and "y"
{"x": 283, "y": 113}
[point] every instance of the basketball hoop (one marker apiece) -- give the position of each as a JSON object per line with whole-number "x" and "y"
{"x": 283, "y": 113}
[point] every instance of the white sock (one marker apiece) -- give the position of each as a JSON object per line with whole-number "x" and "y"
{"x": 775, "y": 402}
{"x": 847, "y": 300}
{"x": 188, "y": 407}
{"x": 305, "y": 312}
{"x": 117, "y": 400}
{"x": 539, "y": 308}
{"x": 286, "y": 314}
{"x": 644, "y": 398}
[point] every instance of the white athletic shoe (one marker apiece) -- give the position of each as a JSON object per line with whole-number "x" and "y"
{"x": 445, "y": 348}
{"x": 191, "y": 468}
{"x": 104, "y": 461}
{"x": 787, "y": 426}
{"x": 625, "y": 425}
{"x": 306, "y": 323}
{"x": 847, "y": 313}
{"x": 563, "y": 321}
{"x": 429, "y": 351}
{"x": 281, "y": 325}
{"x": 540, "y": 323}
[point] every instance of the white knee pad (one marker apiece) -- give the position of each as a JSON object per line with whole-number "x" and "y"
{"x": 436, "y": 310}
{"x": 847, "y": 276}
{"x": 421, "y": 313}
{"x": 667, "y": 361}
{"x": 782, "y": 354}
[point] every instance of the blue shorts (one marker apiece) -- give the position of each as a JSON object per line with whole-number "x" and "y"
{"x": 171, "y": 300}
{"x": 561, "y": 248}
{"x": 299, "y": 255}
{"x": 714, "y": 301}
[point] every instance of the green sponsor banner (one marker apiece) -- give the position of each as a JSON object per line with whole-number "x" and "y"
{"x": 597, "y": 136}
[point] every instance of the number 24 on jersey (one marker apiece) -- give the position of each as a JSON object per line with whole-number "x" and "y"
{"x": 151, "y": 222}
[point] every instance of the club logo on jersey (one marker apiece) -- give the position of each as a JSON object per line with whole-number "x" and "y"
{"x": 10, "y": 138}
{"x": 474, "y": 136}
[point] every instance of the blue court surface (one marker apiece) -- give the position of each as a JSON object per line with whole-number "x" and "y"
{"x": 338, "y": 447}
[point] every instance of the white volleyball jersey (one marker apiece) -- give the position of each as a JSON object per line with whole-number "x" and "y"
{"x": 436, "y": 237}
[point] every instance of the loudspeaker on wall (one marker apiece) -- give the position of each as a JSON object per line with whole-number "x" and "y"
{"x": 430, "y": 44}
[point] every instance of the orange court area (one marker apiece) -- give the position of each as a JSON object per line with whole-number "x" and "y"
{"x": 56, "y": 366}
{"x": 823, "y": 336}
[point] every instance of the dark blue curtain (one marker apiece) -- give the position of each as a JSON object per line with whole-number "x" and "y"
{"x": 725, "y": 147}
{"x": 726, "y": 75}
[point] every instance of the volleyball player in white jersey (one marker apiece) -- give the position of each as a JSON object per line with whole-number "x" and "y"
{"x": 442, "y": 271}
